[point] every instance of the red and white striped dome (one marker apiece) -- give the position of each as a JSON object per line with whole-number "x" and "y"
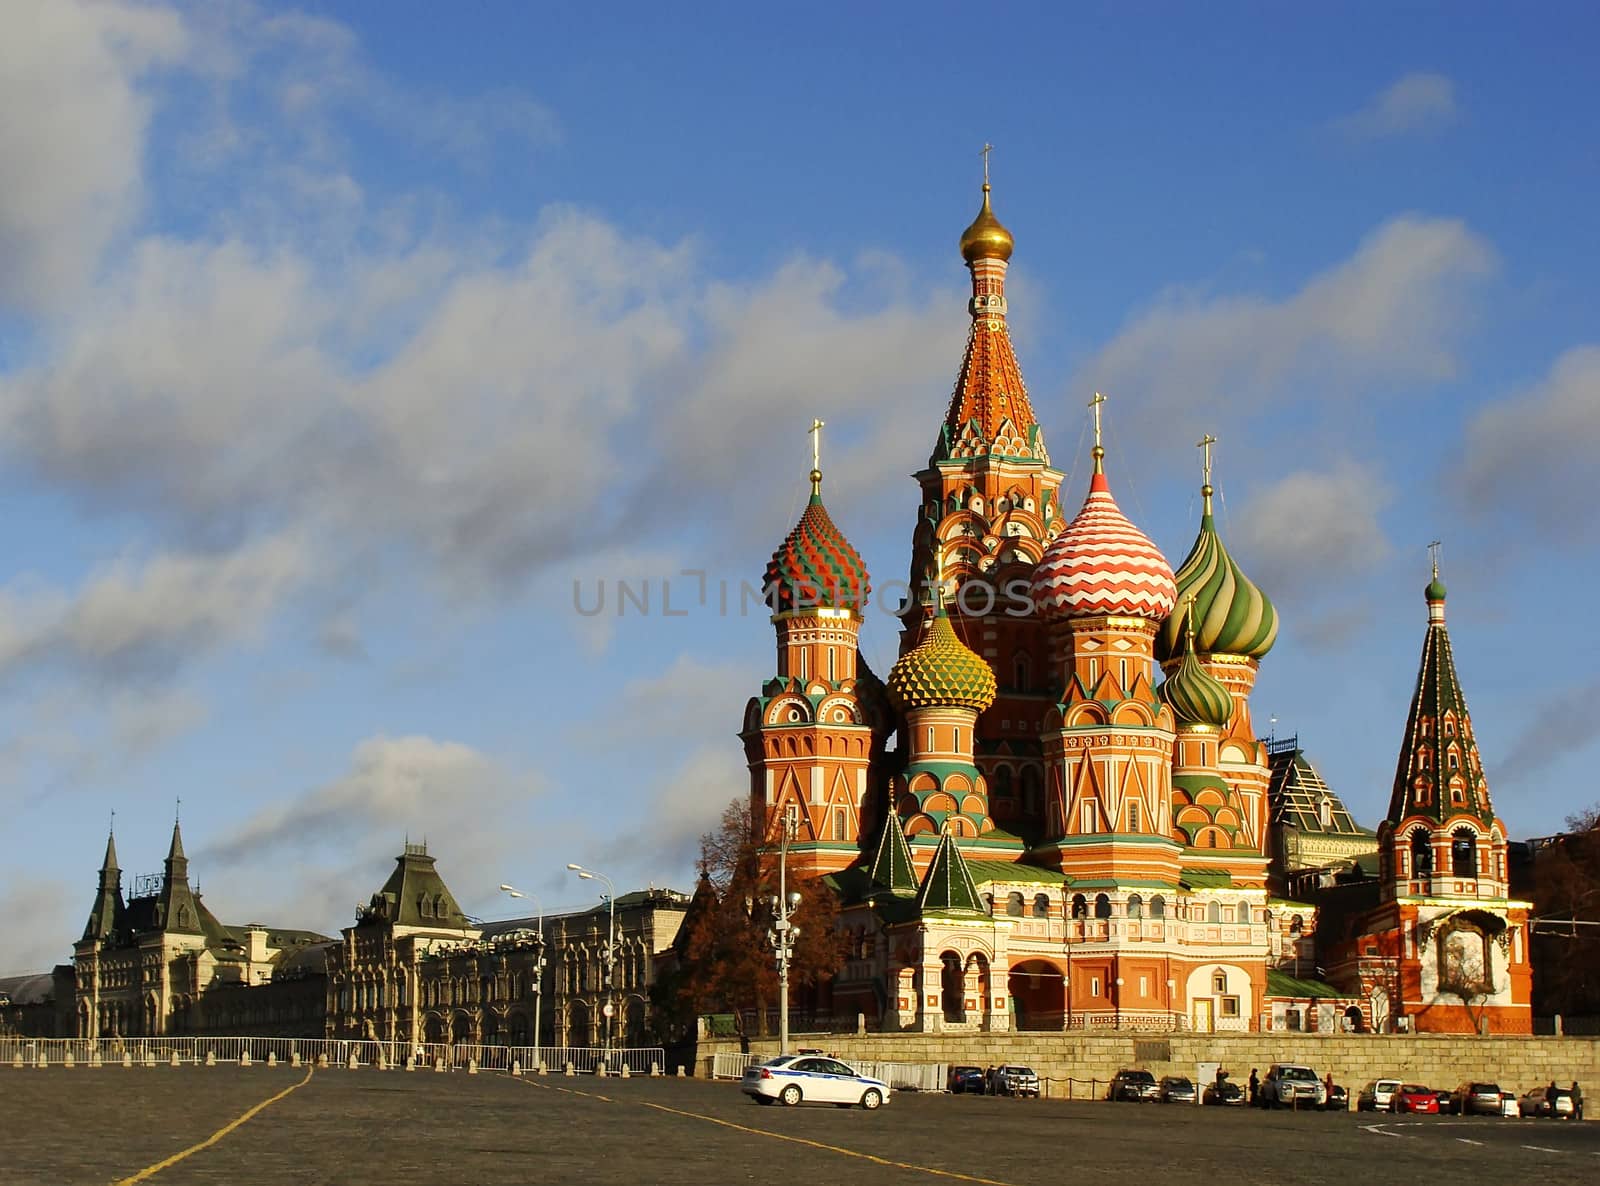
{"x": 1102, "y": 564}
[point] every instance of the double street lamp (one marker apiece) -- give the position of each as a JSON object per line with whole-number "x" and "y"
{"x": 782, "y": 934}
{"x": 610, "y": 1010}
{"x": 538, "y": 970}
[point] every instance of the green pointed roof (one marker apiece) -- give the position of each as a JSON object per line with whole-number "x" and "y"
{"x": 941, "y": 670}
{"x": 891, "y": 870}
{"x": 109, "y": 915}
{"x": 1231, "y": 615}
{"x": 1439, "y": 773}
{"x": 1196, "y": 696}
{"x": 948, "y": 888}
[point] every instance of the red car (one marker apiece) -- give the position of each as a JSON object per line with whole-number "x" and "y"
{"x": 1414, "y": 1098}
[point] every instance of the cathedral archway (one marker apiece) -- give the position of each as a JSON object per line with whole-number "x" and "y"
{"x": 1038, "y": 991}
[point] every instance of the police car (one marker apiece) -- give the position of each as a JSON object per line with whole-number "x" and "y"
{"x": 812, "y": 1078}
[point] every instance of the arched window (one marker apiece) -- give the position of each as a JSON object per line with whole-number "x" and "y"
{"x": 1014, "y": 904}
{"x": 1041, "y": 905}
{"x": 1102, "y": 906}
{"x": 1464, "y": 853}
{"x": 1421, "y": 854}
{"x": 1244, "y": 913}
{"x": 1214, "y": 912}
{"x": 1080, "y": 906}
{"x": 1158, "y": 907}
{"x": 1135, "y": 906}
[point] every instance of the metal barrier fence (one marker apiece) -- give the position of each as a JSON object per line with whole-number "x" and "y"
{"x": 639, "y": 1060}
{"x": 730, "y": 1064}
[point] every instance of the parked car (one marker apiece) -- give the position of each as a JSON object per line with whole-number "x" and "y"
{"x": 1226, "y": 1094}
{"x": 1447, "y": 1102}
{"x": 1413, "y": 1097}
{"x": 1377, "y": 1096}
{"x": 1478, "y": 1099}
{"x": 1538, "y": 1102}
{"x": 1175, "y": 1089}
{"x": 795, "y": 1078}
{"x": 1289, "y": 1085}
{"x": 966, "y": 1081}
{"x": 1016, "y": 1080}
{"x": 1338, "y": 1100}
{"x": 1135, "y": 1087}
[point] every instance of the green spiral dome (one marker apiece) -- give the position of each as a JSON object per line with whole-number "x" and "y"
{"x": 1194, "y": 694}
{"x": 1231, "y": 615}
{"x": 941, "y": 671}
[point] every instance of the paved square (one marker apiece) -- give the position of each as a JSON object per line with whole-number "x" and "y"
{"x": 335, "y": 1126}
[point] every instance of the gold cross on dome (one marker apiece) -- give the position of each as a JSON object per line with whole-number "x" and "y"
{"x": 1094, "y": 406}
{"x": 1205, "y": 443}
{"x": 987, "y": 149}
{"x": 1433, "y": 550}
{"x": 816, "y": 443}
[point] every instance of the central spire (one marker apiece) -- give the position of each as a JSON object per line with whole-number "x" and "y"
{"x": 990, "y": 413}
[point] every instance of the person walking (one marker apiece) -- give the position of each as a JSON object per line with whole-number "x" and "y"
{"x": 1577, "y": 1101}
{"x": 1550, "y": 1097}
{"x": 1255, "y": 1089}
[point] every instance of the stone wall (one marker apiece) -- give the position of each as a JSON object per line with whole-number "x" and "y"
{"x": 1440, "y": 1061}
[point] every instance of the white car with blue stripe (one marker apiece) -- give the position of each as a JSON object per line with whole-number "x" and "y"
{"x": 791, "y": 1079}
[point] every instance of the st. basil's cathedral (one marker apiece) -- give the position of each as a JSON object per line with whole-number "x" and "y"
{"x": 1075, "y": 824}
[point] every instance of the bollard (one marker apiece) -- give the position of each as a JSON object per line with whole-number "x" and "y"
{"x": 352, "y": 1064}
{"x": 174, "y": 1060}
{"x": 16, "y": 1061}
{"x": 244, "y": 1059}
{"x": 516, "y": 1068}
{"x": 95, "y": 1060}
{"x": 655, "y": 1070}
{"x": 69, "y": 1062}
{"x": 294, "y": 1058}
{"x": 127, "y": 1059}
{"x": 211, "y": 1058}
{"x": 411, "y": 1062}
{"x": 625, "y": 1072}
{"x": 600, "y": 1070}
{"x": 571, "y": 1070}
{"x": 272, "y": 1058}
{"x": 681, "y": 1073}
{"x": 322, "y": 1060}
{"x": 438, "y": 1066}
{"x": 472, "y": 1066}
{"x": 383, "y": 1063}
{"x": 149, "y": 1058}
{"x": 43, "y": 1061}
{"x": 541, "y": 1068}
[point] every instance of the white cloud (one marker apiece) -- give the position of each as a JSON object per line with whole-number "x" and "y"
{"x": 1310, "y": 523}
{"x": 71, "y": 84}
{"x": 1533, "y": 454}
{"x": 151, "y": 616}
{"x": 1416, "y": 102}
{"x": 42, "y": 919}
{"x": 1398, "y": 308}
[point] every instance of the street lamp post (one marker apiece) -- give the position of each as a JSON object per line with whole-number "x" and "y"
{"x": 538, "y": 972}
{"x": 783, "y": 933}
{"x": 610, "y": 1011}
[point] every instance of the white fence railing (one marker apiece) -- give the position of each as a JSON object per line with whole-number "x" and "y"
{"x": 730, "y": 1064}
{"x": 337, "y": 1051}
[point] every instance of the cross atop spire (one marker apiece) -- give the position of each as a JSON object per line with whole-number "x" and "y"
{"x": 1205, "y": 443}
{"x": 815, "y": 432}
{"x": 987, "y": 149}
{"x": 1099, "y": 449}
{"x": 1433, "y": 552}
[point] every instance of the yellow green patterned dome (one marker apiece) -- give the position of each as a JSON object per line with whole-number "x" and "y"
{"x": 941, "y": 671}
{"x": 1196, "y": 696}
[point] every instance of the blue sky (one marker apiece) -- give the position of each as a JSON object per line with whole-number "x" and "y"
{"x": 338, "y": 342}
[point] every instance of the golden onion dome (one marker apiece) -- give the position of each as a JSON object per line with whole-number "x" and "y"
{"x": 985, "y": 238}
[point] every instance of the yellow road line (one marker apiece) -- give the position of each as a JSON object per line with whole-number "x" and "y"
{"x": 151, "y": 1171}
{"x": 588, "y": 1095}
{"x": 778, "y": 1136}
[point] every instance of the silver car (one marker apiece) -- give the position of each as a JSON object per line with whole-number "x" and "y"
{"x": 791, "y": 1079}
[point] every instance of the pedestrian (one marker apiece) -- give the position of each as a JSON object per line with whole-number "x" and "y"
{"x": 1255, "y": 1089}
{"x": 1327, "y": 1087}
{"x": 1577, "y": 1101}
{"x": 988, "y": 1080}
{"x": 1550, "y": 1097}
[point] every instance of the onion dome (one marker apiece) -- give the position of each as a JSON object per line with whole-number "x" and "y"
{"x": 1231, "y": 615}
{"x": 816, "y": 567}
{"x": 1102, "y": 564}
{"x": 985, "y": 238}
{"x": 1435, "y": 589}
{"x": 1194, "y": 694}
{"x": 941, "y": 671}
